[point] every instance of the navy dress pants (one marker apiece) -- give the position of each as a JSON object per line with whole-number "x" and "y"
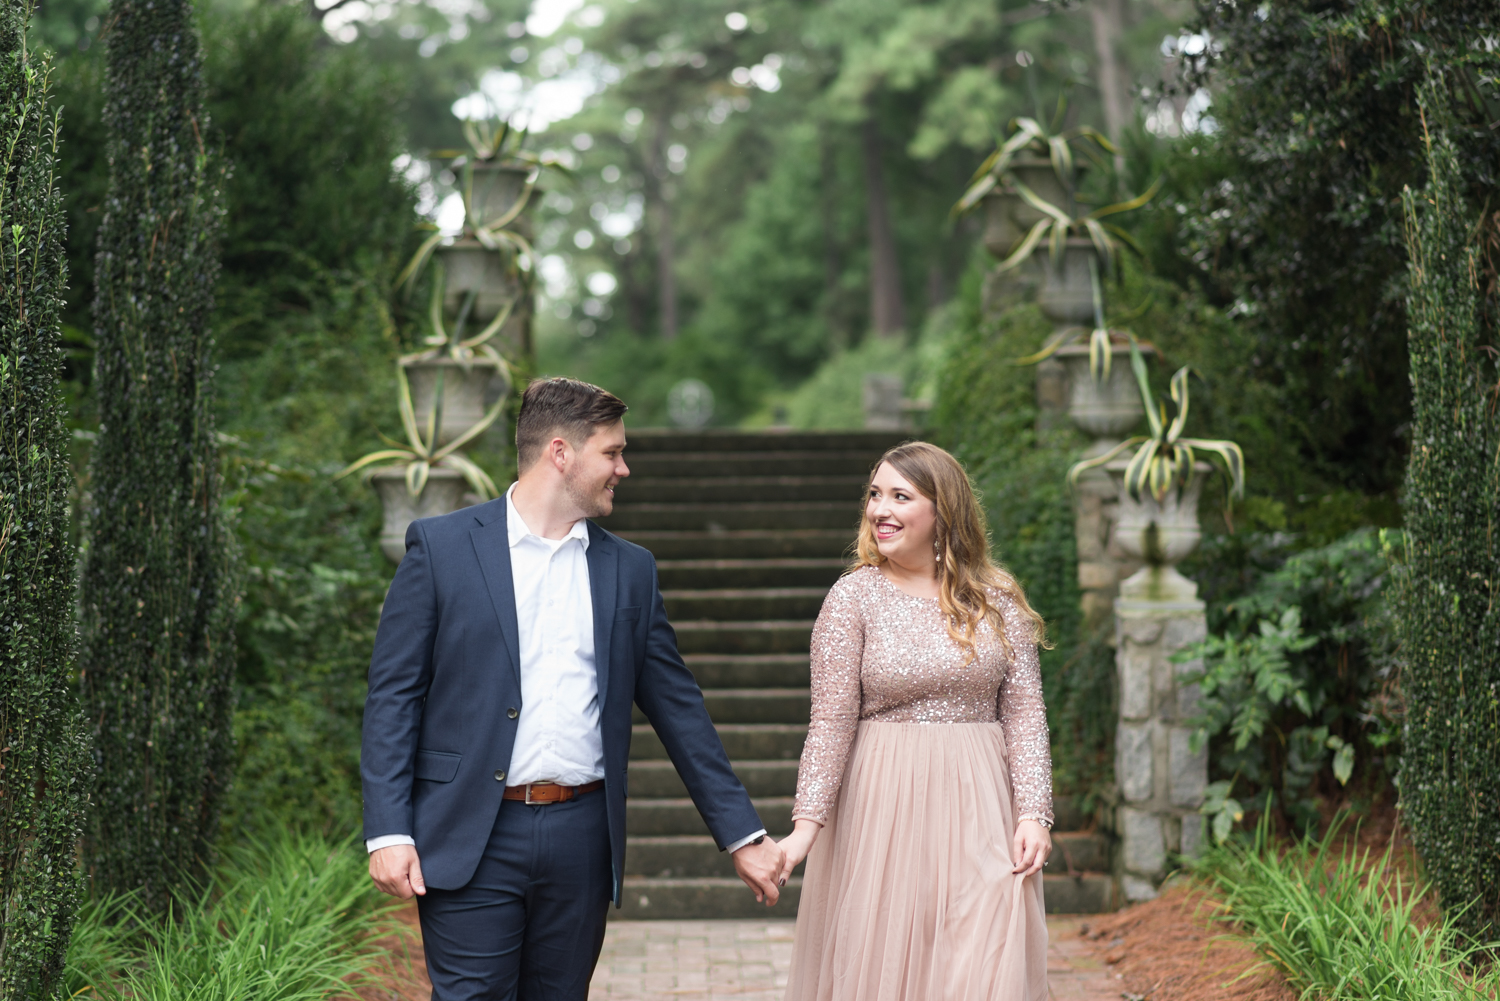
{"x": 529, "y": 925}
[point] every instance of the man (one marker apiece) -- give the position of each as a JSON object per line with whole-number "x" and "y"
{"x": 513, "y": 641}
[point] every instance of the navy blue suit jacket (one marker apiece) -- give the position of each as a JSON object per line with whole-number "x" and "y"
{"x": 447, "y": 669}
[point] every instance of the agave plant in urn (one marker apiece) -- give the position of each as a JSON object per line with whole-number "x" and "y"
{"x": 425, "y": 476}
{"x": 1028, "y": 188}
{"x": 1159, "y": 484}
{"x": 481, "y": 285}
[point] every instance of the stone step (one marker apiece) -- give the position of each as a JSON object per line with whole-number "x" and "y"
{"x": 647, "y": 899}
{"x": 656, "y": 817}
{"x": 767, "y": 670}
{"x": 734, "y": 517}
{"x": 670, "y": 465}
{"x": 804, "y": 543}
{"x": 1079, "y": 852}
{"x": 727, "y": 440}
{"x": 742, "y": 741}
{"x": 683, "y": 575}
{"x": 659, "y": 779}
{"x": 753, "y": 705}
{"x": 775, "y": 636}
{"x": 742, "y": 604}
{"x": 728, "y": 490}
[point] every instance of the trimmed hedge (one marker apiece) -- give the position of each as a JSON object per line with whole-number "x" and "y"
{"x": 43, "y": 739}
{"x": 1448, "y": 617}
{"x": 159, "y": 585}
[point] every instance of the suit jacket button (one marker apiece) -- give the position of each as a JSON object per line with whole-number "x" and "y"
{"x": 512, "y": 713}
{"x": 499, "y": 776}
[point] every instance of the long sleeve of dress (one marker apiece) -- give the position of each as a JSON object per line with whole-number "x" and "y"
{"x": 1023, "y": 715}
{"x": 837, "y": 651}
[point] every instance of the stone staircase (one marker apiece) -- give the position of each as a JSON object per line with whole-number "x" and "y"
{"x": 749, "y": 530}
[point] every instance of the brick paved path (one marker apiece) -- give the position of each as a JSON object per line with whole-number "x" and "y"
{"x": 748, "y": 961}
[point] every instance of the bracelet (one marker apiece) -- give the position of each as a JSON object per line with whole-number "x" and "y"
{"x": 1046, "y": 824}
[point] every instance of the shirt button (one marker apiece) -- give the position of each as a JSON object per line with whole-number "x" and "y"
{"x": 512, "y": 712}
{"x": 499, "y": 776}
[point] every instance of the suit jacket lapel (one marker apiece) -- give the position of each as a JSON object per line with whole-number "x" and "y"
{"x": 603, "y": 565}
{"x": 492, "y": 546}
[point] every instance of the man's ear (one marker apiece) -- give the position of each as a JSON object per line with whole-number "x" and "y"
{"x": 558, "y": 453}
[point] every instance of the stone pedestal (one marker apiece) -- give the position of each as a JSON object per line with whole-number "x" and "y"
{"x": 1160, "y": 779}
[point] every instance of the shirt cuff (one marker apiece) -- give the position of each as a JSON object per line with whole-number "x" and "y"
{"x": 373, "y": 845}
{"x": 742, "y": 842}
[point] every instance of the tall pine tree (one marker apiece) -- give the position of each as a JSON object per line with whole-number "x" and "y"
{"x": 1447, "y": 599}
{"x": 43, "y": 738}
{"x": 159, "y": 585}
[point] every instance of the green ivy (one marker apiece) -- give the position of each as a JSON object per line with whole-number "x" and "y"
{"x": 43, "y": 739}
{"x": 159, "y": 584}
{"x": 1448, "y": 617}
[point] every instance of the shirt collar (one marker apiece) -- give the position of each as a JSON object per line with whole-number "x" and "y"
{"x": 516, "y": 528}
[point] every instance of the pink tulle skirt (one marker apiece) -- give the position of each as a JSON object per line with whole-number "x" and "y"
{"x": 908, "y": 893}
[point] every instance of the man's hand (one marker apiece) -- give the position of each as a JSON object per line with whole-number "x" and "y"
{"x": 1030, "y": 848}
{"x": 397, "y": 871}
{"x": 760, "y": 867}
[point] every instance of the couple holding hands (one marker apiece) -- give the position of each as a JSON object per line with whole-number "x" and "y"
{"x": 514, "y": 640}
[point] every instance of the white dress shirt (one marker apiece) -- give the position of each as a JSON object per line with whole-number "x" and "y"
{"x": 557, "y": 736}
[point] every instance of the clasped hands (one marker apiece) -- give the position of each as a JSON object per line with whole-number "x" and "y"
{"x": 764, "y": 868}
{"x": 397, "y": 871}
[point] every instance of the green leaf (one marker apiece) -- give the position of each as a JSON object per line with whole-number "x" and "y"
{"x": 1343, "y": 763}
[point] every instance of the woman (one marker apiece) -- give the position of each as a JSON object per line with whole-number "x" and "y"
{"x": 924, "y": 797}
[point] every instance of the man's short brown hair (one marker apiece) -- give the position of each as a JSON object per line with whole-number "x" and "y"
{"x": 566, "y": 408}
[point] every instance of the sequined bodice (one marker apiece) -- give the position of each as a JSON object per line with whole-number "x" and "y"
{"x": 882, "y": 655}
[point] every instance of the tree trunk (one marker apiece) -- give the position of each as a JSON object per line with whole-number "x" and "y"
{"x": 887, "y": 313}
{"x": 833, "y": 258}
{"x": 658, "y": 193}
{"x": 1113, "y": 90}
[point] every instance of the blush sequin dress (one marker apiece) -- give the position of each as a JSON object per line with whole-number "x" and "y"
{"x": 919, "y": 763}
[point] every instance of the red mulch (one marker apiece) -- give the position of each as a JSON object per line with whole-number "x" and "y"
{"x": 402, "y": 974}
{"x": 1169, "y": 949}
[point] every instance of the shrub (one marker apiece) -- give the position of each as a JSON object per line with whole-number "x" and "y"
{"x": 1446, "y": 613}
{"x": 159, "y": 589}
{"x": 43, "y": 740}
{"x": 1297, "y": 677}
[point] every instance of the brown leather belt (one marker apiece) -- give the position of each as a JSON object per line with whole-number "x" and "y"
{"x": 550, "y": 792}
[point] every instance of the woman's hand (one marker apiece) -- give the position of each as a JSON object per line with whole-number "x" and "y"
{"x": 796, "y": 846}
{"x": 1031, "y": 847}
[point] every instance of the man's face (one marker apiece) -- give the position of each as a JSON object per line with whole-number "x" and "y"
{"x": 597, "y": 468}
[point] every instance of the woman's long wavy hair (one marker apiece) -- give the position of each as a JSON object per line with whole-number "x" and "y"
{"x": 967, "y": 575}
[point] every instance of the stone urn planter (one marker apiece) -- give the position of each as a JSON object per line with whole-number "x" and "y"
{"x": 443, "y": 493}
{"x": 496, "y": 188}
{"x": 1037, "y": 173}
{"x": 1067, "y": 292}
{"x": 1161, "y": 534}
{"x": 1107, "y": 410}
{"x": 469, "y": 390}
{"x": 469, "y": 265}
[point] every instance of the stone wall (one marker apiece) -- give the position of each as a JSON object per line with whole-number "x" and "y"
{"x": 1160, "y": 779}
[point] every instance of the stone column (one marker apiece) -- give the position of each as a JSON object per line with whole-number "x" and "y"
{"x": 1160, "y": 779}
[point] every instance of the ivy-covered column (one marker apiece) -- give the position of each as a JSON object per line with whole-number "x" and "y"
{"x": 1447, "y": 597}
{"x": 43, "y": 738}
{"x": 159, "y": 588}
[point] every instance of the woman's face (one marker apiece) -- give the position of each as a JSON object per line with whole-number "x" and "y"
{"x": 904, "y": 522}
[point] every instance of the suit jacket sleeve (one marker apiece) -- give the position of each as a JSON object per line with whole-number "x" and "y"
{"x": 669, "y": 696}
{"x": 400, "y": 673}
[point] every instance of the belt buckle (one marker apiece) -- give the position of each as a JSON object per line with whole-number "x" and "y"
{"x": 537, "y": 802}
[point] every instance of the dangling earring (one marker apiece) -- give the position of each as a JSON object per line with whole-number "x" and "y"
{"x": 937, "y": 552}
